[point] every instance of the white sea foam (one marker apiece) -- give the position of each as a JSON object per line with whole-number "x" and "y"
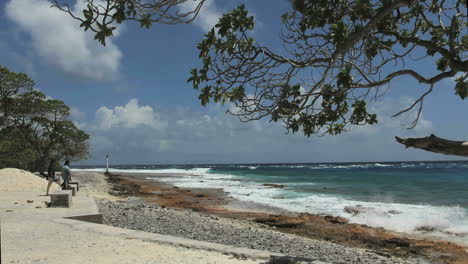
{"x": 350, "y": 166}
{"x": 194, "y": 171}
{"x": 411, "y": 217}
{"x": 359, "y": 166}
{"x": 446, "y": 220}
{"x": 92, "y": 170}
{"x": 382, "y": 165}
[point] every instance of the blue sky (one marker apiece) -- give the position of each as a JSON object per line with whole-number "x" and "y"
{"x": 132, "y": 97}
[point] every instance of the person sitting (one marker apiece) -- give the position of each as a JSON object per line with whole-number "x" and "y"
{"x": 66, "y": 174}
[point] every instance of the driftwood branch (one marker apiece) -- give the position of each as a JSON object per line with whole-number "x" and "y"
{"x": 436, "y": 144}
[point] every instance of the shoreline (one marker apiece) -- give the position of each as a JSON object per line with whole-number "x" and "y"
{"x": 32, "y": 232}
{"x": 209, "y": 200}
{"x": 337, "y": 230}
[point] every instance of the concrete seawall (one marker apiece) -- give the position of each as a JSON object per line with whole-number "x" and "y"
{"x": 33, "y": 233}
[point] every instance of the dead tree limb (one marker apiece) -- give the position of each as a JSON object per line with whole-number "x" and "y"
{"x": 436, "y": 144}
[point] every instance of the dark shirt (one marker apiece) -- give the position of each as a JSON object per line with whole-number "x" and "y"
{"x": 51, "y": 172}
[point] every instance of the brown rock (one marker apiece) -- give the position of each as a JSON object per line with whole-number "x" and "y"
{"x": 290, "y": 223}
{"x": 351, "y": 210}
{"x": 272, "y": 185}
{"x": 336, "y": 219}
{"x": 397, "y": 242}
{"x": 359, "y": 209}
{"x": 282, "y": 221}
{"x": 426, "y": 228}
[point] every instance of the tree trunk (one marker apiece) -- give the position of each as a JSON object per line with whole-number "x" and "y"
{"x": 436, "y": 144}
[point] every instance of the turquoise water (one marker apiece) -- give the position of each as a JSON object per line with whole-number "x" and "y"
{"x": 433, "y": 194}
{"x": 415, "y": 183}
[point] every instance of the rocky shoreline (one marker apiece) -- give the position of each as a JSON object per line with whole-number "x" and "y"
{"x": 194, "y": 225}
{"x": 204, "y": 217}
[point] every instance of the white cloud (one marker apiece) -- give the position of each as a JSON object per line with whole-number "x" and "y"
{"x": 133, "y": 133}
{"x": 389, "y": 107}
{"x": 208, "y": 16}
{"x": 57, "y": 38}
{"x": 131, "y": 115}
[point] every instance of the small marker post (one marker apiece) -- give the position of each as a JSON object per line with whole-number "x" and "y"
{"x": 107, "y": 163}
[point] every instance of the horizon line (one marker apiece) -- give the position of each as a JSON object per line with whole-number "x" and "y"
{"x": 282, "y": 163}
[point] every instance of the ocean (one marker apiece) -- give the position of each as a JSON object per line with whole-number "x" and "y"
{"x": 420, "y": 198}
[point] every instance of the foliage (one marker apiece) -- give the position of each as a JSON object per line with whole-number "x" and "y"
{"x": 34, "y": 128}
{"x": 338, "y": 55}
{"x": 14, "y": 153}
{"x": 101, "y": 17}
{"x": 11, "y": 84}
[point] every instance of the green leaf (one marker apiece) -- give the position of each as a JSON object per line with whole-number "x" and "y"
{"x": 461, "y": 87}
{"x": 146, "y": 21}
{"x": 205, "y": 95}
{"x": 345, "y": 79}
{"x": 442, "y": 64}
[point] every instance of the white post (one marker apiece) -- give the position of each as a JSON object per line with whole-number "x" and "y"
{"x": 107, "y": 163}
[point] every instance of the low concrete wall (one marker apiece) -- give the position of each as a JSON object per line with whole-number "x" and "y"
{"x": 60, "y": 198}
{"x": 93, "y": 218}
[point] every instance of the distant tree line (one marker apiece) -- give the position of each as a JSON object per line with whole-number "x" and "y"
{"x": 35, "y": 128}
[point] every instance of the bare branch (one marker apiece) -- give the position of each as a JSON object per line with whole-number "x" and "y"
{"x": 436, "y": 144}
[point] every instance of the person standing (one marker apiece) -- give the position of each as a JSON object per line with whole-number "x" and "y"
{"x": 66, "y": 174}
{"x": 51, "y": 177}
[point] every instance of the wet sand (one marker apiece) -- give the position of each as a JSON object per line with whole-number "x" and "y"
{"x": 326, "y": 228}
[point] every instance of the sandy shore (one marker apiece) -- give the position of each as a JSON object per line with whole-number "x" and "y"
{"x": 370, "y": 245}
{"x": 33, "y": 233}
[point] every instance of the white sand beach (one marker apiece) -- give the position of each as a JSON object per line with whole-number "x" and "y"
{"x": 33, "y": 233}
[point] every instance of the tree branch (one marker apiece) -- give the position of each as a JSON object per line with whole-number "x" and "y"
{"x": 357, "y": 36}
{"x": 436, "y": 144}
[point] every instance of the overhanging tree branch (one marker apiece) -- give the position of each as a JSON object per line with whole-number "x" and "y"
{"x": 337, "y": 56}
{"x": 436, "y": 144}
{"x": 350, "y": 50}
{"x": 102, "y": 17}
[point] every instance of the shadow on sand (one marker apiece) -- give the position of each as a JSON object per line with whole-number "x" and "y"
{"x": 292, "y": 260}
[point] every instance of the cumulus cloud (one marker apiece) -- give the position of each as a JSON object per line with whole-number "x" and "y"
{"x": 134, "y": 133}
{"x": 208, "y": 16}
{"x": 57, "y": 38}
{"x": 131, "y": 115}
